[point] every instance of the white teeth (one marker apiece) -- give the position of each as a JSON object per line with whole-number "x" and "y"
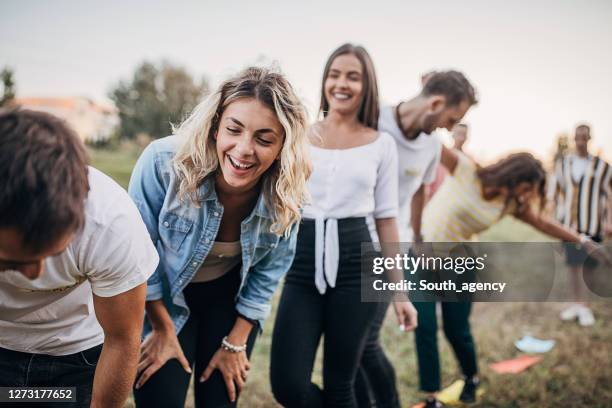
{"x": 341, "y": 96}
{"x": 239, "y": 165}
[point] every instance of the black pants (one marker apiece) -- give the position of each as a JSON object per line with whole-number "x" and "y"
{"x": 213, "y": 314}
{"x": 304, "y": 315}
{"x": 456, "y": 325}
{"x": 375, "y": 385}
{"x": 40, "y": 370}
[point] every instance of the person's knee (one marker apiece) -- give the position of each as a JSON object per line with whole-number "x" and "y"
{"x": 339, "y": 392}
{"x": 147, "y": 399}
{"x": 290, "y": 395}
{"x": 166, "y": 388}
{"x": 288, "y": 390}
{"x": 372, "y": 351}
{"x": 456, "y": 334}
{"x": 426, "y": 329}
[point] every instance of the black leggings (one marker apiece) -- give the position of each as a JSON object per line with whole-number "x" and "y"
{"x": 375, "y": 385}
{"x": 304, "y": 315}
{"x": 213, "y": 314}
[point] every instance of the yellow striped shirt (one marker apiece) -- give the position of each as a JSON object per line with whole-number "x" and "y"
{"x": 458, "y": 210}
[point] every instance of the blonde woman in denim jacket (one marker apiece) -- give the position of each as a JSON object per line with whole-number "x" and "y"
{"x": 221, "y": 200}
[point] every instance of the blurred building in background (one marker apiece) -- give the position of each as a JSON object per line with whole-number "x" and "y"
{"x": 94, "y": 122}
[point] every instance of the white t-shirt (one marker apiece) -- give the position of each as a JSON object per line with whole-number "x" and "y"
{"x": 418, "y": 160}
{"x": 354, "y": 182}
{"x": 111, "y": 254}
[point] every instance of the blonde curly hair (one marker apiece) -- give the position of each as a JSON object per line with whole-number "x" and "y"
{"x": 284, "y": 183}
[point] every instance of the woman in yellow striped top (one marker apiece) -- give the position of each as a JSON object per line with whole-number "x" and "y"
{"x": 475, "y": 198}
{"x": 470, "y": 201}
{"x": 460, "y": 210}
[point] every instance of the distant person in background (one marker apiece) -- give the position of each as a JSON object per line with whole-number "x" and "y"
{"x": 74, "y": 261}
{"x": 472, "y": 199}
{"x": 460, "y": 136}
{"x": 443, "y": 101}
{"x": 583, "y": 192}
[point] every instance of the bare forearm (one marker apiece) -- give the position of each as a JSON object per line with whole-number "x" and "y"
{"x": 449, "y": 159}
{"x": 416, "y": 212}
{"x": 389, "y": 238}
{"x": 158, "y": 315}
{"x": 120, "y": 317}
{"x": 387, "y": 231}
{"x": 240, "y": 332}
{"x": 115, "y": 372}
{"x": 556, "y": 230}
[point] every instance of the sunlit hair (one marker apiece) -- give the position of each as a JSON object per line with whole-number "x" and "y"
{"x": 368, "y": 111}
{"x": 511, "y": 171}
{"x": 284, "y": 183}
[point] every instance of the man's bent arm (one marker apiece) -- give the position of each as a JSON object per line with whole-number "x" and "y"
{"x": 416, "y": 213}
{"x": 121, "y": 318}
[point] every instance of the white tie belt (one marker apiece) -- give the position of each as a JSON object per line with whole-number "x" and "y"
{"x": 326, "y": 250}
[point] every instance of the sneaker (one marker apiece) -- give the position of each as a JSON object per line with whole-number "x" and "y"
{"x": 431, "y": 402}
{"x": 570, "y": 313}
{"x": 585, "y": 317}
{"x": 468, "y": 394}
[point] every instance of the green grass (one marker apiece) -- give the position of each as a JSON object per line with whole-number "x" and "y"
{"x": 117, "y": 163}
{"x": 509, "y": 229}
{"x": 576, "y": 373}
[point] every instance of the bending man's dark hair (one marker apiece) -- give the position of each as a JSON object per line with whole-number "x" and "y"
{"x": 453, "y": 85}
{"x": 43, "y": 177}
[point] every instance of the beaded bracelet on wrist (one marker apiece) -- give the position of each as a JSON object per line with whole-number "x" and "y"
{"x": 232, "y": 348}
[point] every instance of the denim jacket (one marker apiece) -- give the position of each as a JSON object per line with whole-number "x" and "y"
{"x": 184, "y": 234}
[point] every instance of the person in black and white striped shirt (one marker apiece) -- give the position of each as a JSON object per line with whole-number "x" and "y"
{"x": 583, "y": 188}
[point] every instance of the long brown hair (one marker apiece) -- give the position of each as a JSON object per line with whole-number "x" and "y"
{"x": 368, "y": 112}
{"x": 511, "y": 171}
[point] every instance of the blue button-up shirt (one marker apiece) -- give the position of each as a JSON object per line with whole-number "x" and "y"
{"x": 184, "y": 234}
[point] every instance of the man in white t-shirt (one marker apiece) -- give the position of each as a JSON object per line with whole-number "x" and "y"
{"x": 443, "y": 101}
{"x": 74, "y": 260}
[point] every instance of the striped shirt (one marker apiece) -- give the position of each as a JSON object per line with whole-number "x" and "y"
{"x": 458, "y": 210}
{"x": 581, "y": 202}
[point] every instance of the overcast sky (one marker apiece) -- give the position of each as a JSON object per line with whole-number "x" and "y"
{"x": 540, "y": 67}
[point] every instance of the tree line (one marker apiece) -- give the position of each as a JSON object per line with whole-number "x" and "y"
{"x": 156, "y": 96}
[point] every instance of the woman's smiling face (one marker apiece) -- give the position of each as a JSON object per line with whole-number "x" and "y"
{"x": 344, "y": 84}
{"x": 249, "y": 140}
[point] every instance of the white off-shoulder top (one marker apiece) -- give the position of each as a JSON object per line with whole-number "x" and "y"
{"x": 345, "y": 183}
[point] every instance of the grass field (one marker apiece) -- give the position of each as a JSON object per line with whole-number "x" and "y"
{"x": 576, "y": 373}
